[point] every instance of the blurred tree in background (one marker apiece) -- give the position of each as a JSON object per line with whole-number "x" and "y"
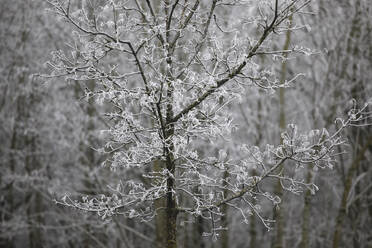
{"x": 178, "y": 101}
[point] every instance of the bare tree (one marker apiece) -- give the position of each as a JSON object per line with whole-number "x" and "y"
{"x": 167, "y": 73}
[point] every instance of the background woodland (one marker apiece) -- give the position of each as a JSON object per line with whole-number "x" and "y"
{"x": 51, "y": 139}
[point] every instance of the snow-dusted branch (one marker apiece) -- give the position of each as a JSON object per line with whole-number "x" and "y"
{"x": 168, "y": 73}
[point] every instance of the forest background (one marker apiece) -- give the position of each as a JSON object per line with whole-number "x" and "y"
{"x": 311, "y": 69}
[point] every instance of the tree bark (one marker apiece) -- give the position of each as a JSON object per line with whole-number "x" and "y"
{"x": 160, "y": 217}
{"x": 171, "y": 206}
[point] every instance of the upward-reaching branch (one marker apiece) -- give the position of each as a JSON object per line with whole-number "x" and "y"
{"x": 234, "y": 72}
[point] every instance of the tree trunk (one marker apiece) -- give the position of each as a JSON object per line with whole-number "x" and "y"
{"x": 171, "y": 226}
{"x": 32, "y": 163}
{"x": 279, "y": 220}
{"x": 9, "y": 197}
{"x": 224, "y": 221}
{"x": 252, "y": 225}
{"x": 349, "y": 180}
{"x": 35, "y": 234}
{"x": 353, "y": 49}
{"x": 306, "y": 214}
{"x": 160, "y": 217}
{"x": 198, "y": 232}
{"x": 279, "y": 235}
{"x": 171, "y": 206}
